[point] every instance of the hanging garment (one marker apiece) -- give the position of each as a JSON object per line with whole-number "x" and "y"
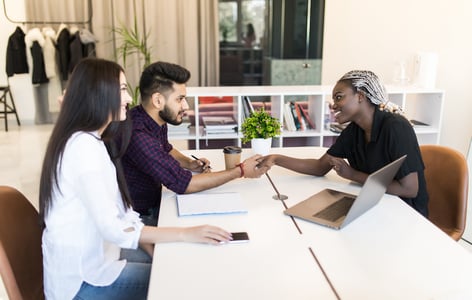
{"x": 82, "y": 44}
{"x": 76, "y": 52}
{"x": 88, "y": 41}
{"x": 62, "y": 43}
{"x": 16, "y": 62}
{"x": 35, "y": 42}
{"x": 49, "y": 52}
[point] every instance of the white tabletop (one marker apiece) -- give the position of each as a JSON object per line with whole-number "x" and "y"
{"x": 390, "y": 252}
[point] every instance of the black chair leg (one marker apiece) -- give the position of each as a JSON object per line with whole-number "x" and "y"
{"x": 7, "y": 109}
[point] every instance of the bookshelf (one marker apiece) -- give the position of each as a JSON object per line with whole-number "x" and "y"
{"x": 241, "y": 65}
{"x": 424, "y": 105}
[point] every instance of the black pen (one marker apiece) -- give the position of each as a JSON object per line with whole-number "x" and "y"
{"x": 193, "y": 156}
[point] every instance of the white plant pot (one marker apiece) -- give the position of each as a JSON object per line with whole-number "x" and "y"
{"x": 261, "y": 146}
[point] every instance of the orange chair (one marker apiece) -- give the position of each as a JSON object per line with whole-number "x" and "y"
{"x": 21, "y": 260}
{"x": 447, "y": 184}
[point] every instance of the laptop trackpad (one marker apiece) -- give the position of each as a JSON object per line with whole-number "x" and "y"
{"x": 335, "y": 210}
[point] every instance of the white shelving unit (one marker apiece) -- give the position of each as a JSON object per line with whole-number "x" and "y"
{"x": 424, "y": 105}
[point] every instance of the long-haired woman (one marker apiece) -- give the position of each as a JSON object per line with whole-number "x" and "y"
{"x": 84, "y": 203}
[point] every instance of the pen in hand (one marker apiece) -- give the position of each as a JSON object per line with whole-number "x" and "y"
{"x": 194, "y": 157}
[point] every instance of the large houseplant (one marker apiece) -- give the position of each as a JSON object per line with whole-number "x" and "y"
{"x": 260, "y": 125}
{"x": 133, "y": 43}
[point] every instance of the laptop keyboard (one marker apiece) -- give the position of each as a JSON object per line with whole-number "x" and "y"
{"x": 335, "y": 210}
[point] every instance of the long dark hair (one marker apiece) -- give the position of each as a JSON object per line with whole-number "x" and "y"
{"x": 92, "y": 95}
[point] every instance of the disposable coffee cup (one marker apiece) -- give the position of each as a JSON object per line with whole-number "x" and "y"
{"x": 232, "y": 156}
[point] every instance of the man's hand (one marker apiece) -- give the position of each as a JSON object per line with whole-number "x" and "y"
{"x": 253, "y": 168}
{"x": 201, "y": 165}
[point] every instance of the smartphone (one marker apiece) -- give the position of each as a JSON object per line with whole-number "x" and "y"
{"x": 238, "y": 237}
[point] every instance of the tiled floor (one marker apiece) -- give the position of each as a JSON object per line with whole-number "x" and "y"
{"x": 21, "y": 154}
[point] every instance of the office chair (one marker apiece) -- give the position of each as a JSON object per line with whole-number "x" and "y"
{"x": 21, "y": 260}
{"x": 447, "y": 184}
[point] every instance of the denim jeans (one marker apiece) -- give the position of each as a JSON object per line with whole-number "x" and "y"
{"x": 151, "y": 217}
{"x": 133, "y": 282}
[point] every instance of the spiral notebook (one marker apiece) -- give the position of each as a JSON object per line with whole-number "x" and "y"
{"x": 210, "y": 203}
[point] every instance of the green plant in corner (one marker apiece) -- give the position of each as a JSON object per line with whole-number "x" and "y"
{"x": 260, "y": 124}
{"x": 133, "y": 43}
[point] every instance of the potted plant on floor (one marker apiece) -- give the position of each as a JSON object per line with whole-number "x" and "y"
{"x": 259, "y": 128}
{"x": 133, "y": 45}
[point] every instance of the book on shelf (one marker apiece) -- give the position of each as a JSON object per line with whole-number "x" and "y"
{"x": 295, "y": 117}
{"x": 247, "y": 106}
{"x": 183, "y": 128}
{"x": 219, "y": 124}
{"x": 306, "y": 117}
{"x": 298, "y": 115}
{"x": 288, "y": 118}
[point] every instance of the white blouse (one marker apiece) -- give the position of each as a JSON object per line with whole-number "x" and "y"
{"x": 87, "y": 223}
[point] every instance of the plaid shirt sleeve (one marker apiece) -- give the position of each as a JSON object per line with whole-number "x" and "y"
{"x": 150, "y": 154}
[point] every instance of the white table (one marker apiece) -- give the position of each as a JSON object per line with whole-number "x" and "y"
{"x": 390, "y": 252}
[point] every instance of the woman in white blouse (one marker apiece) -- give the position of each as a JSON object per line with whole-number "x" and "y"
{"x": 84, "y": 203}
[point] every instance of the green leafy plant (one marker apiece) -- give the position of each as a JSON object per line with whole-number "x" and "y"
{"x": 260, "y": 124}
{"x": 132, "y": 42}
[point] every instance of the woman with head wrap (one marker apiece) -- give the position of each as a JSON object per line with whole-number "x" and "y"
{"x": 377, "y": 135}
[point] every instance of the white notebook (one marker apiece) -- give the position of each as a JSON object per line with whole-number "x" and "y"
{"x": 210, "y": 203}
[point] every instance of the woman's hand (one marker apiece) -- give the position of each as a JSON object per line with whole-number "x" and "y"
{"x": 342, "y": 167}
{"x": 267, "y": 161}
{"x": 253, "y": 168}
{"x": 206, "y": 234}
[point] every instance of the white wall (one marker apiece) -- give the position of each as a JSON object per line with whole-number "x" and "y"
{"x": 21, "y": 86}
{"x": 375, "y": 34}
{"x": 369, "y": 34}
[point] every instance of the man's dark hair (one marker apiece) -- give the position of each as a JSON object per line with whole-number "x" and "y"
{"x": 159, "y": 78}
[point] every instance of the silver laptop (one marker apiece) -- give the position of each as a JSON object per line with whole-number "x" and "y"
{"x": 336, "y": 209}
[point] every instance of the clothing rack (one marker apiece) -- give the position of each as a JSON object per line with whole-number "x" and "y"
{"x": 88, "y": 21}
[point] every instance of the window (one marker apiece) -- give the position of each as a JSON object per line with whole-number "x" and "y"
{"x": 234, "y": 15}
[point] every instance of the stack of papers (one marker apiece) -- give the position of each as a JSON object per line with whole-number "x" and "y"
{"x": 183, "y": 128}
{"x": 220, "y": 124}
{"x": 210, "y": 203}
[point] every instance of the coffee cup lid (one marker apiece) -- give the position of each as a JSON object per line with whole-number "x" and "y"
{"x": 232, "y": 149}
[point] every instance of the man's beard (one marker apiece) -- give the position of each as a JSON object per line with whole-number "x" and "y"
{"x": 167, "y": 115}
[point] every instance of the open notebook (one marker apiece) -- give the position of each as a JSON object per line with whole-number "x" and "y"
{"x": 210, "y": 203}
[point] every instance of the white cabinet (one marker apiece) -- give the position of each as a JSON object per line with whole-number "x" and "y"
{"x": 423, "y": 105}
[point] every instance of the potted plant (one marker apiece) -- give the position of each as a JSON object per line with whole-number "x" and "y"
{"x": 260, "y": 127}
{"x": 133, "y": 43}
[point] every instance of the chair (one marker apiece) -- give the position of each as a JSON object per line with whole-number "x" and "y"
{"x": 21, "y": 260}
{"x": 447, "y": 184}
{"x": 7, "y": 108}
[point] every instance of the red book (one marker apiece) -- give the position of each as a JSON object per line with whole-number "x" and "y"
{"x": 306, "y": 117}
